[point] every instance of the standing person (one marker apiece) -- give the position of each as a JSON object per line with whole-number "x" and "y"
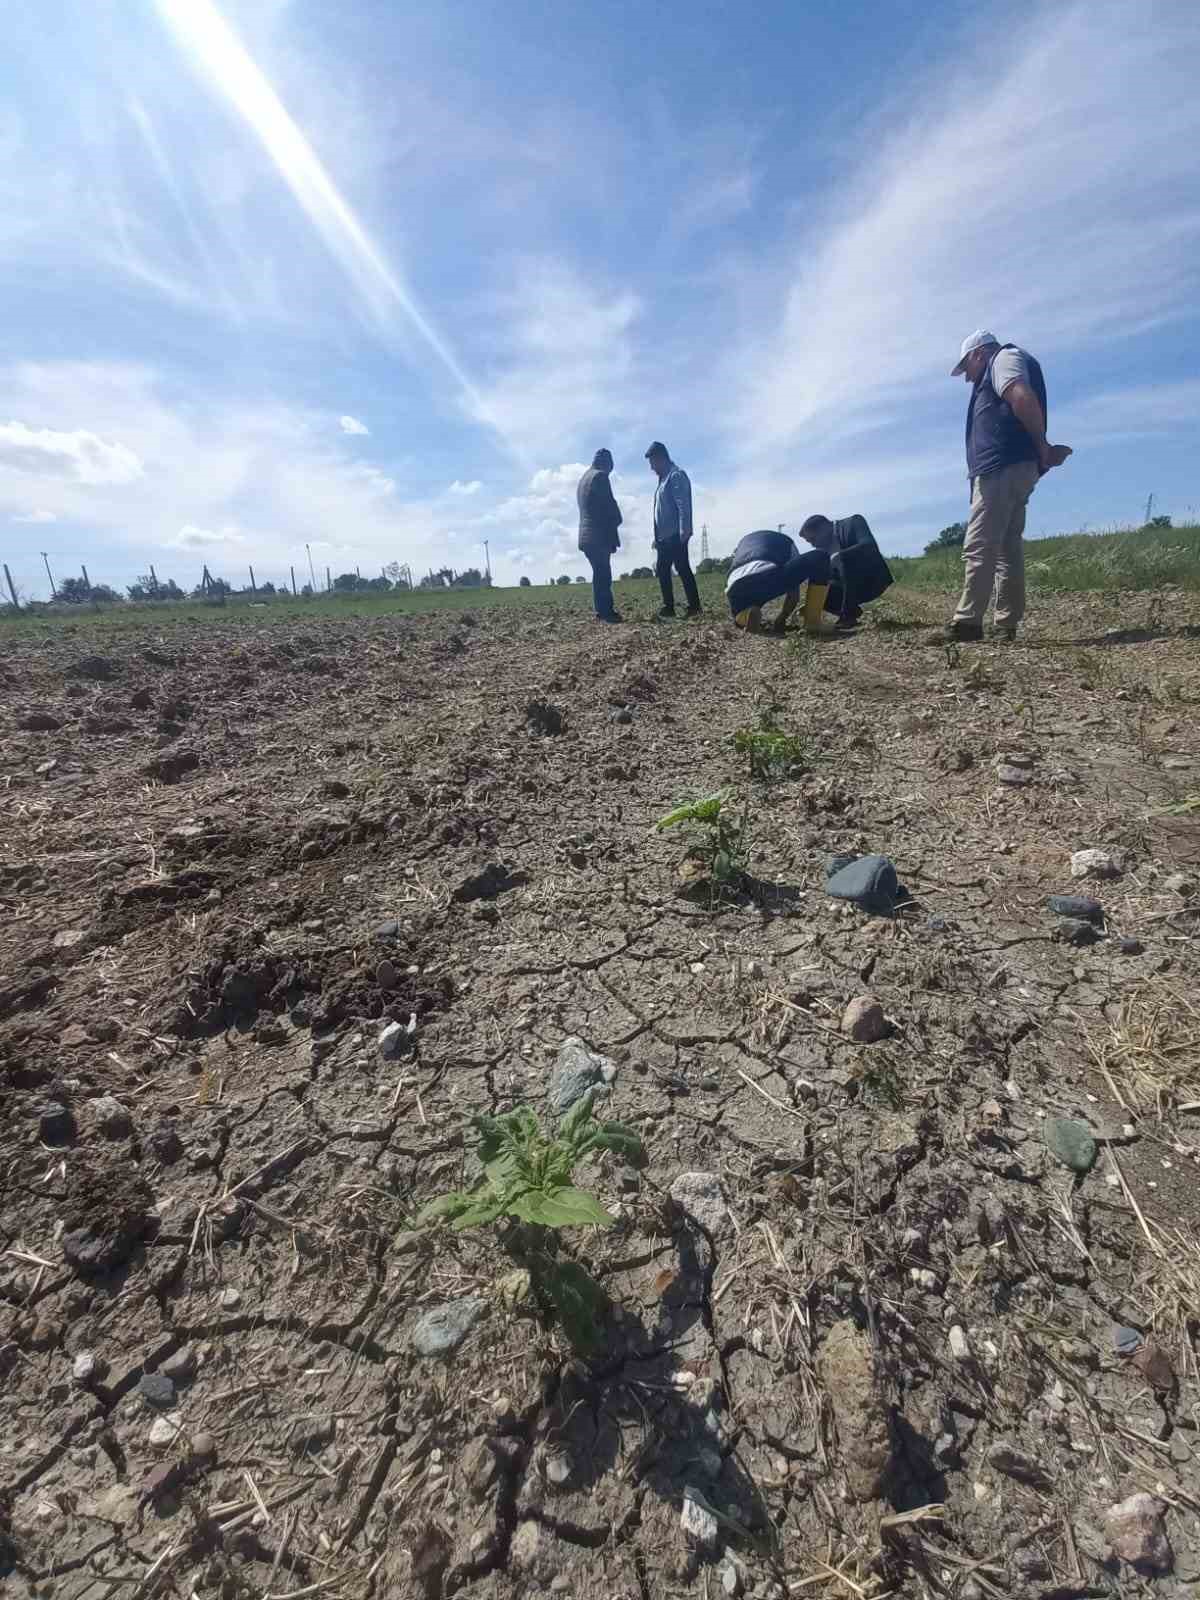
{"x": 1007, "y": 453}
{"x": 858, "y": 572}
{"x": 672, "y": 530}
{"x": 767, "y": 566}
{"x": 599, "y": 519}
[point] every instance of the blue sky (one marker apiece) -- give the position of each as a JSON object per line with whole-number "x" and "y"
{"x": 381, "y": 276}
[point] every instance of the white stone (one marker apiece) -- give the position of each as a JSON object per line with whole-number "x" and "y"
{"x": 165, "y": 1431}
{"x": 392, "y": 1041}
{"x": 863, "y": 1020}
{"x": 701, "y": 1195}
{"x": 1094, "y": 864}
{"x": 699, "y": 1525}
{"x": 960, "y": 1347}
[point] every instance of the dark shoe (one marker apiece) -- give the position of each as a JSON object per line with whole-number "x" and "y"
{"x": 694, "y": 611}
{"x": 846, "y": 625}
{"x": 614, "y": 617}
{"x": 664, "y": 615}
{"x": 967, "y": 632}
{"x": 1008, "y": 635}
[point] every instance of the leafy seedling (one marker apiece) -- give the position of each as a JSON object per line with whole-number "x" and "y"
{"x": 715, "y": 839}
{"x": 772, "y": 754}
{"x": 527, "y": 1178}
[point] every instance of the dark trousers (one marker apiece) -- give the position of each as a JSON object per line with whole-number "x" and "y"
{"x": 600, "y": 562}
{"x": 675, "y": 554}
{"x": 840, "y": 603}
{"x": 760, "y": 588}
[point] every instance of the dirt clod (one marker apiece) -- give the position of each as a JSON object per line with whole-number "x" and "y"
{"x": 848, "y": 1373}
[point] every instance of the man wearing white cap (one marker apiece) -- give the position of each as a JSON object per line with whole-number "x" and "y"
{"x": 1007, "y": 453}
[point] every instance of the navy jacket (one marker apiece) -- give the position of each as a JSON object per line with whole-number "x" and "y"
{"x": 858, "y": 562}
{"x": 599, "y": 513}
{"x": 995, "y": 437}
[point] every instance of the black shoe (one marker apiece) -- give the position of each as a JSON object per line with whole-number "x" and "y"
{"x": 664, "y": 615}
{"x": 967, "y": 632}
{"x": 614, "y": 616}
{"x": 846, "y": 625}
{"x": 694, "y": 611}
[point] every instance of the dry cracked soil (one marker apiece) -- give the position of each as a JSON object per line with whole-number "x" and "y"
{"x": 889, "y": 1343}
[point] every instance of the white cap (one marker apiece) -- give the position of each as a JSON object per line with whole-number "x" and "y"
{"x": 981, "y": 336}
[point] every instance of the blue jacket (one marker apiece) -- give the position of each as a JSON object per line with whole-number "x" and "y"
{"x": 673, "y": 506}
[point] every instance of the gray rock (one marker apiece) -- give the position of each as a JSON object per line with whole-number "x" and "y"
{"x": 386, "y": 932}
{"x": 230, "y": 1299}
{"x": 1079, "y": 934}
{"x": 731, "y": 1578}
{"x": 311, "y": 1432}
{"x": 67, "y": 940}
{"x": 1016, "y": 777}
{"x": 181, "y": 1366}
{"x": 157, "y": 1390}
{"x": 1131, "y": 947}
{"x": 1179, "y": 883}
{"x": 1095, "y": 864}
{"x": 88, "y": 1368}
{"x": 1126, "y": 1341}
{"x": 863, "y": 1020}
{"x": 1076, "y": 905}
{"x": 386, "y": 975}
{"x": 443, "y": 1328}
{"x": 112, "y": 1118}
{"x": 1071, "y": 1142}
{"x": 577, "y": 1070}
{"x": 165, "y": 1431}
{"x": 1014, "y": 1463}
{"x": 699, "y": 1524}
{"x": 701, "y": 1196}
{"x": 204, "y": 1449}
{"x": 623, "y": 716}
{"x": 1135, "y": 1531}
{"x": 847, "y": 1371}
{"x": 56, "y": 1125}
{"x": 393, "y": 1041}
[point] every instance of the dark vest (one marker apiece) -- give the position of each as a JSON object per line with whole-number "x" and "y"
{"x": 765, "y": 545}
{"x": 995, "y": 438}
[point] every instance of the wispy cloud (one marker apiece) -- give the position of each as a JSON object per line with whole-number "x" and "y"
{"x": 190, "y": 537}
{"x": 353, "y": 425}
{"x": 79, "y": 455}
{"x": 1030, "y": 192}
{"x": 1132, "y": 412}
{"x": 35, "y": 516}
{"x": 458, "y": 487}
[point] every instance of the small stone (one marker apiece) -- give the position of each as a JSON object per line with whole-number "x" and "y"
{"x": 386, "y": 932}
{"x": 393, "y": 1041}
{"x": 937, "y": 924}
{"x": 68, "y": 939}
{"x": 1080, "y": 935}
{"x": 111, "y": 1117}
{"x": 88, "y": 1368}
{"x": 623, "y": 716}
{"x": 204, "y": 1449}
{"x": 1014, "y": 776}
{"x": 230, "y": 1299}
{"x": 863, "y": 1020}
{"x": 558, "y": 1469}
{"x": 310, "y": 1433}
{"x": 443, "y": 1328}
{"x": 1081, "y": 906}
{"x": 1130, "y": 947}
{"x": 1179, "y": 883}
{"x": 577, "y": 1070}
{"x": 960, "y": 1348}
{"x": 165, "y": 1145}
{"x": 386, "y": 975}
{"x": 180, "y": 1367}
{"x": 1015, "y": 758}
{"x": 524, "y": 1548}
{"x": 698, "y": 1523}
{"x": 1137, "y": 1536}
{"x": 73, "y": 1035}
{"x": 56, "y": 1125}
{"x": 165, "y": 1431}
{"x": 1126, "y": 1341}
{"x": 1154, "y": 1364}
{"x": 1095, "y": 864}
{"x": 318, "y": 1049}
{"x": 731, "y": 1578}
{"x": 701, "y": 1196}
{"x": 157, "y": 1390}
{"x": 1014, "y": 1464}
{"x": 1071, "y": 1142}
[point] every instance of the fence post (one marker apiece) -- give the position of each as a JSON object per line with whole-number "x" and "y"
{"x": 253, "y": 586}
{"x": 87, "y": 582}
{"x": 293, "y": 571}
{"x": 50, "y": 575}
{"x": 328, "y": 581}
{"x": 154, "y": 582}
{"x": 12, "y": 591}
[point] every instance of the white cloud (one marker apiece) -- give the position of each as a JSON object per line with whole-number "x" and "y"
{"x": 458, "y": 487}
{"x": 79, "y": 456}
{"x": 190, "y": 537}
{"x": 353, "y": 425}
{"x": 35, "y": 516}
{"x": 1144, "y": 409}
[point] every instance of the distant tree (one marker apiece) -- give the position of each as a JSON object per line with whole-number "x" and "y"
{"x": 579, "y": 578}
{"x": 74, "y": 592}
{"x": 379, "y": 585}
{"x": 563, "y": 580}
{"x": 394, "y": 576}
{"x": 525, "y": 584}
{"x": 472, "y": 578}
{"x": 218, "y": 588}
{"x": 1159, "y": 522}
{"x": 714, "y": 564}
{"x": 146, "y": 589}
{"x": 347, "y": 582}
{"x": 641, "y": 572}
{"x": 624, "y": 578}
{"x": 267, "y": 588}
{"x": 307, "y": 592}
{"x": 950, "y": 538}
{"x": 103, "y": 591}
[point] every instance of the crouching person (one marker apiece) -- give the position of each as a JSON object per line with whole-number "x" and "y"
{"x": 858, "y": 571}
{"x": 767, "y": 566}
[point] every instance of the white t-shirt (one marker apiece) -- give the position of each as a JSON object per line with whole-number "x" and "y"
{"x": 748, "y": 570}
{"x": 1007, "y": 367}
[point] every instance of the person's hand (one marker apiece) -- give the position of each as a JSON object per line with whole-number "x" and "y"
{"x": 1053, "y": 456}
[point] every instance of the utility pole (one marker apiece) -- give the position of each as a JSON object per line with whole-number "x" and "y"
{"x": 328, "y": 581}
{"x": 154, "y": 582}
{"x": 487, "y": 562}
{"x": 704, "y": 541}
{"x": 50, "y": 575}
{"x": 293, "y": 572}
{"x": 87, "y": 582}
{"x": 253, "y": 585}
{"x": 12, "y": 591}
{"x": 311, "y": 573}
{"x": 1149, "y": 509}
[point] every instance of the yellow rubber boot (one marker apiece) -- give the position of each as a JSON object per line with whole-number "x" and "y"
{"x": 814, "y": 604}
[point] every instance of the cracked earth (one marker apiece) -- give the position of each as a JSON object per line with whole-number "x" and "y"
{"x": 887, "y": 1361}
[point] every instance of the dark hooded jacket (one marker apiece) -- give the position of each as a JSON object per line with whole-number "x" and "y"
{"x": 599, "y": 513}
{"x": 857, "y": 561}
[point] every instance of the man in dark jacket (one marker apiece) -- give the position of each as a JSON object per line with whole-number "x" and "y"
{"x": 1007, "y": 453}
{"x": 858, "y": 572}
{"x": 767, "y": 566}
{"x": 599, "y": 519}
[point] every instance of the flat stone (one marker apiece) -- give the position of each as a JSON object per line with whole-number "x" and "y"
{"x": 1071, "y": 1142}
{"x": 1136, "y": 1534}
{"x": 1095, "y": 864}
{"x": 1015, "y": 777}
{"x": 157, "y": 1390}
{"x": 386, "y": 932}
{"x": 701, "y": 1196}
{"x": 56, "y": 1125}
{"x": 1014, "y": 1463}
{"x": 68, "y": 939}
{"x": 863, "y": 1020}
{"x": 847, "y": 1369}
{"x": 699, "y": 1524}
{"x": 393, "y": 1041}
{"x": 180, "y": 1367}
{"x": 960, "y": 1347}
{"x": 88, "y": 1368}
{"x": 1015, "y": 758}
{"x": 576, "y": 1071}
{"x": 443, "y": 1328}
{"x": 1126, "y": 1341}
{"x": 1130, "y": 947}
{"x": 111, "y": 1117}
{"x": 1081, "y": 906}
{"x": 386, "y": 974}
{"x": 204, "y": 1449}
{"x": 230, "y": 1299}
{"x": 166, "y": 1431}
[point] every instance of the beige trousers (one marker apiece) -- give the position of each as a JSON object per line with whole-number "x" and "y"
{"x": 994, "y": 551}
